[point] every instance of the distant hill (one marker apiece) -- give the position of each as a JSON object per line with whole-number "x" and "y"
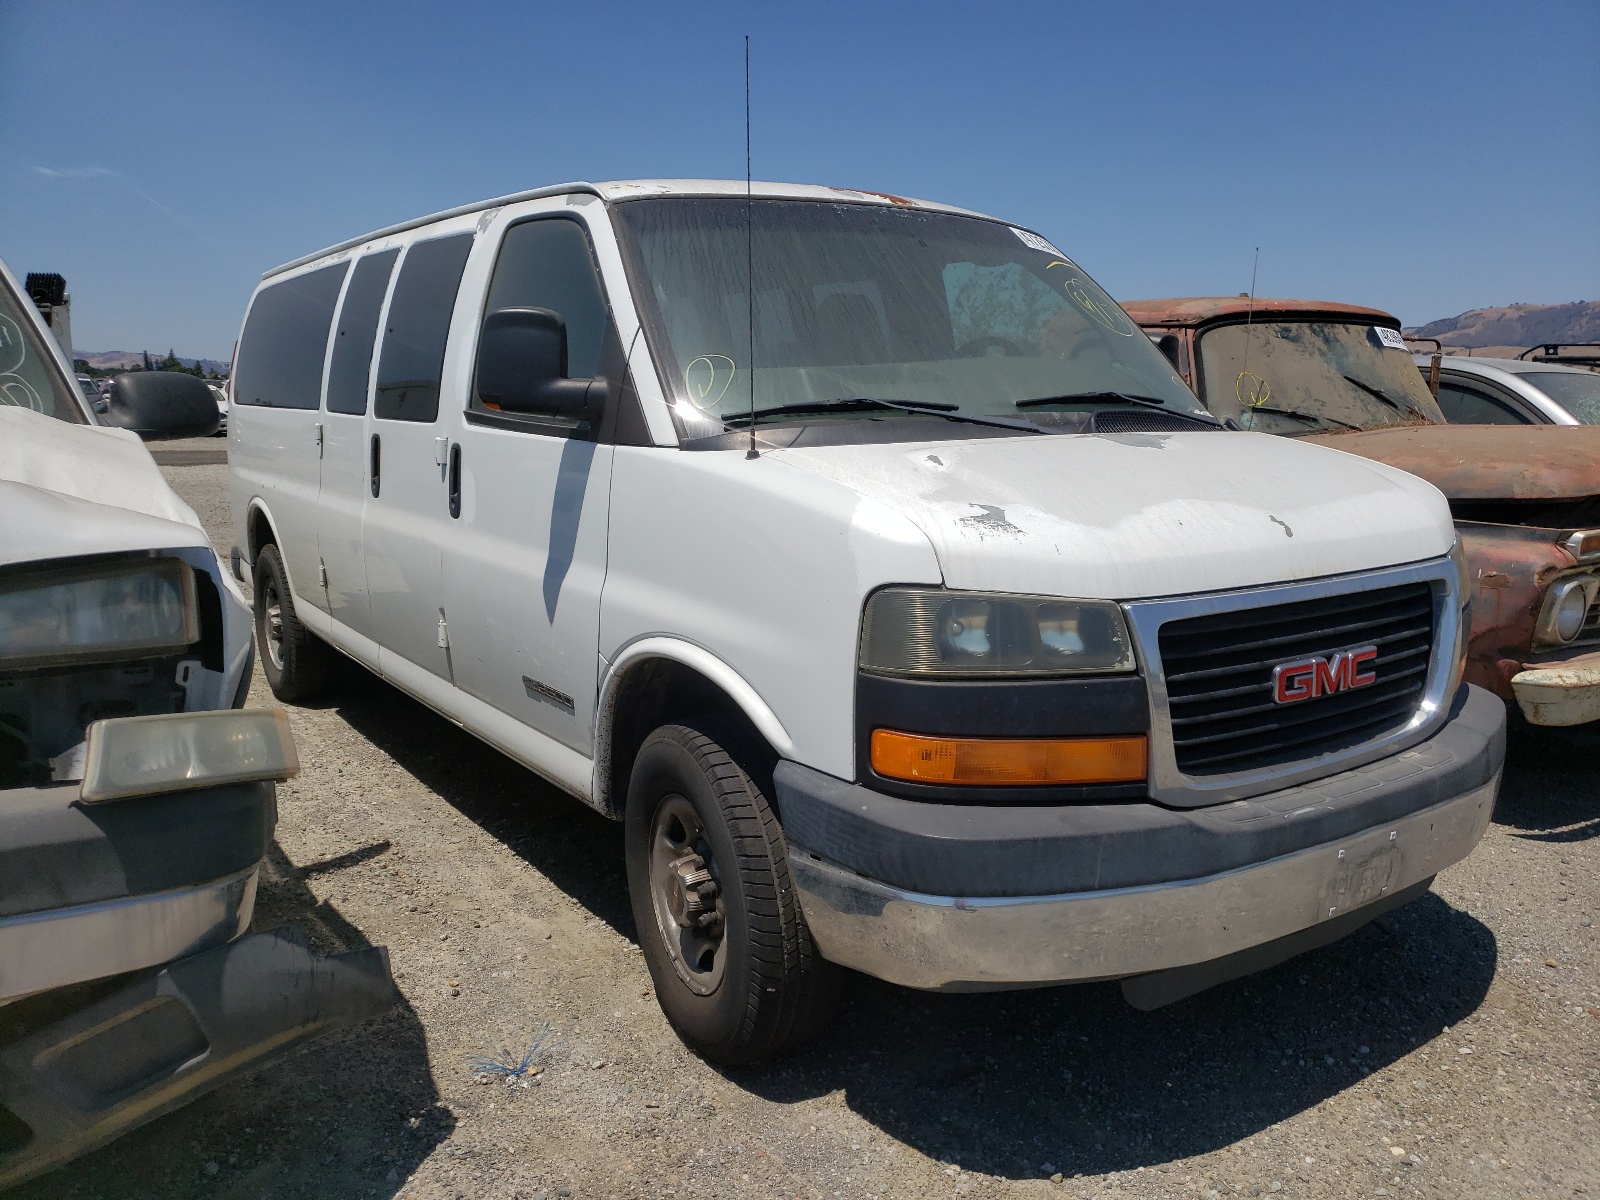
{"x": 107, "y": 360}
{"x": 1517, "y": 325}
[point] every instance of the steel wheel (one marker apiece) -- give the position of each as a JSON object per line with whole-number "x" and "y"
{"x": 272, "y": 623}
{"x": 686, "y": 893}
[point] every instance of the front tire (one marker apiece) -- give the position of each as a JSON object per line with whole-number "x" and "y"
{"x": 295, "y": 661}
{"x": 733, "y": 963}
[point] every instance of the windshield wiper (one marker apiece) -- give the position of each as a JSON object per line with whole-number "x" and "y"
{"x": 1300, "y": 416}
{"x": 1380, "y": 394}
{"x": 1139, "y": 401}
{"x": 856, "y": 403}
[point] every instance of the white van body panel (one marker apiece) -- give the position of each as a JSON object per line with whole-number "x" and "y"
{"x": 1134, "y": 516}
{"x": 766, "y": 566}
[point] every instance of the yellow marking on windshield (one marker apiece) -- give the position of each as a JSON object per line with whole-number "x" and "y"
{"x": 701, "y": 383}
{"x": 1252, "y": 395}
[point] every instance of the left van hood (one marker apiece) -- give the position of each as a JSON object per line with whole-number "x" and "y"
{"x": 1486, "y": 462}
{"x": 1131, "y": 516}
{"x": 69, "y": 490}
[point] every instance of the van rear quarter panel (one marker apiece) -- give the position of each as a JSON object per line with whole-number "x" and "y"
{"x": 763, "y": 565}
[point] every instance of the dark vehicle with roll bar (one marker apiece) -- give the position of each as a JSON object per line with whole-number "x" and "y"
{"x": 1526, "y": 499}
{"x": 137, "y": 795}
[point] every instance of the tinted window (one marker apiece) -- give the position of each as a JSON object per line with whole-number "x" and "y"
{"x": 412, "y": 360}
{"x": 546, "y": 264}
{"x": 1464, "y": 406}
{"x": 1576, "y": 391}
{"x": 357, "y": 330}
{"x": 285, "y": 340}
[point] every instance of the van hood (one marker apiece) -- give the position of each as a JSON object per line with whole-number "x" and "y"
{"x": 1131, "y": 516}
{"x": 1486, "y": 462}
{"x": 69, "y": 490}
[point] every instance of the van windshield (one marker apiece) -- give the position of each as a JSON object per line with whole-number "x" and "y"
{"x": 857, "y": 302}
{"x": 1312, "y": 376}
{"x": 28, "y": 377}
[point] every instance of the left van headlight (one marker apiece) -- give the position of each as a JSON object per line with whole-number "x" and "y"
{"x": 101, "y": 613}
{"x": 933, "y": 632}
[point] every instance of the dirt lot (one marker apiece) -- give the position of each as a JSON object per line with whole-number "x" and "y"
{"x": 1450, "y": 1049}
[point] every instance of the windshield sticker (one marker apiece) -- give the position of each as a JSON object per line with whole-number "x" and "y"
{"x": 12, "y": 348}
{"x": 1100, "y": 306}
{"x": 1034, "y": 242}
{"x": 707, "y": 380}
{"x": 1252, "y": 390}
{"x": 1390, "y": 338}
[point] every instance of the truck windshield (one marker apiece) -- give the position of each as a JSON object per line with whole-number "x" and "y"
{"x": 28, "y": 377}
{"x": 856, "y": 303}
{"x": 1306, "y": 376}
{"x": 1576, "y": 391}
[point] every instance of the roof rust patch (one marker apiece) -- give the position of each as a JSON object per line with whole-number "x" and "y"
{"x": 1197, "y": 310}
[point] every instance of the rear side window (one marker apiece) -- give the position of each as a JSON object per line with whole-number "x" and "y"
{"x": 356, "y": 332}
{"x": 412, "y": 359}
{"x": 285, "y": 341}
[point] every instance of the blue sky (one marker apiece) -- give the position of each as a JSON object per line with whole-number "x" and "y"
{"x": 1424, "y": 158}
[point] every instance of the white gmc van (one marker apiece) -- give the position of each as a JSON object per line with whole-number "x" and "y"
{"x": 863, "y": 558}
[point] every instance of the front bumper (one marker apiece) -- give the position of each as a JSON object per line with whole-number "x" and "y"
{"x": 89, "y": 891}
{"x": 1566, "y": 692}
{"x": 1140, "y": 888}
{"x": 74, "y": 1077}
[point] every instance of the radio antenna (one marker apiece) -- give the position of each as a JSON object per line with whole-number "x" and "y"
{"x": 1250, "y": 309}
{"x": 749, "y": 253}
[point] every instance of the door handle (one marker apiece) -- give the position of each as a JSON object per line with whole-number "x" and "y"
{"x": 455, "y": 479}
{"x": 377, "y": 463}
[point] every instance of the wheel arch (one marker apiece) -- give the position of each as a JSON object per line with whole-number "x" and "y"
{"x": 655, "y": 681}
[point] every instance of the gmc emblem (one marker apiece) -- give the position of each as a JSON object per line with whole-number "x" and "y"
{"x": 1308, "y": 678}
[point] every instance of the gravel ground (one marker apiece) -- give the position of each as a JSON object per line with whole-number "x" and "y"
{"x": 1449, "y": 1049}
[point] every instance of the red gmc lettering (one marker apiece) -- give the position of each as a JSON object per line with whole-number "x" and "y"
{"x": 1312, "y": 677}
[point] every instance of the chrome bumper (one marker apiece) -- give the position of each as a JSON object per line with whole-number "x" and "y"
{"x": 61, "y": 946}
{"x": 975, "y": 944}
{"x": 1560, "y": 693}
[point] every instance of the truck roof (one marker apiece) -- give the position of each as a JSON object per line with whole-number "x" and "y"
{"x": 1197, "y": 310}
{"x": 634, "y": 189}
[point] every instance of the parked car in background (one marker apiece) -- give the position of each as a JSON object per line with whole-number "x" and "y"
{"x": 219, "y": 392}
{"x": 1511, "y": 391}
{"x": 137, "y": 797}
{"x": 1526, "y": 500}
{"x": 886, "y": 584}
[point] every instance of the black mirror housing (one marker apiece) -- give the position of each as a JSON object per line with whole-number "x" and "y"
{"x": 160, "y": 404}
{"x": 522, "y": 367}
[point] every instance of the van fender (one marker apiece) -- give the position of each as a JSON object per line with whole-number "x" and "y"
{"x": 696, "y": 658}
{"x": 259, "y": 506}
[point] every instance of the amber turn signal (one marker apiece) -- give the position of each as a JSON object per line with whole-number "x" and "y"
{"x": 993, "y": 762}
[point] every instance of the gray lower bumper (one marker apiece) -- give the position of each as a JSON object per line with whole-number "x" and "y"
{"x": 61, "y": 946}
{"x": 74, "y": 1080}
{"x": 970, "y": 944}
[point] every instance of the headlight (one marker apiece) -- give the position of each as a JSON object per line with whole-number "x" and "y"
{"x": 922, "y": 631}
{"x": 99, "y": 613}
{"x": 1566, "y": 608}
{"x": 174, "y": 752}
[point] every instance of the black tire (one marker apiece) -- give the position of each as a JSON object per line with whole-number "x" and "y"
{"x": 295, "y": 661}
{"x": 767, "y": 988}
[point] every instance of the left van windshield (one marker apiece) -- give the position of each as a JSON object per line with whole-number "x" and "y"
{"x": 28, "y": 379}
{"x": 862, "y": 302}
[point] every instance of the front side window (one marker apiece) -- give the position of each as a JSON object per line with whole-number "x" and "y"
{"x": 1576, "y": 391}
{"x": 1468, "y": 406}
{"x": 28, "y": 377}
{"x": 357, "y": 330}
{"x": 1310, "y": 376}
{"x": 285, "y": 341}
{"x": 412, "y": 361}
{"x": 813, "y": 303}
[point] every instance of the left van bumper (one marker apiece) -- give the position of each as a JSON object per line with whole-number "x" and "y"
{"x": 1140, "y": 890}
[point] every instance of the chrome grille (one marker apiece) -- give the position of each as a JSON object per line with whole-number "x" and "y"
{"x": 1218, "y": 672}
{"x": 1591, "y": 625}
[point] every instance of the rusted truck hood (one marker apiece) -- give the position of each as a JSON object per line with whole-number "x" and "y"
{"x": 1486, "y": 462}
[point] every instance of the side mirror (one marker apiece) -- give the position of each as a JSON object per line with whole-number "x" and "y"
{"x": 160, "y": 404}
{"x": 522, "y": 367}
